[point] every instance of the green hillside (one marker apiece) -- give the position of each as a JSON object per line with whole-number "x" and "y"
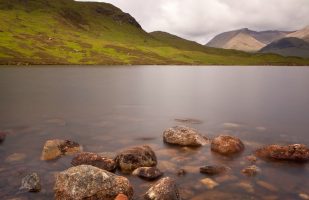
{"x": 68, "y": 32}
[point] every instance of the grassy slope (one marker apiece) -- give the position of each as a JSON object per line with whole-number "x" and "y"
{"x": 67, "y": 32}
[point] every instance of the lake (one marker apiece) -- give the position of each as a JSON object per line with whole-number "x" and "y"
{"x": 107, "y": 109}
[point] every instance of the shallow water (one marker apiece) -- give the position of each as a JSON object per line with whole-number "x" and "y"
{"x": 110, "y": 108}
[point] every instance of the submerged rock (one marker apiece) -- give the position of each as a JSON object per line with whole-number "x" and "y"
{"x": 88, "y": 182}
{"x": 16, "y": 157}
{"x": 2, "y": 136}
{"x": 252, "y": 159}
{"x": 227, "y": 145}
{"x": 135, "y": 157}
{"x": 183, "y": 136}
{"x": 31, "y": 183}
{"x": 149, "y": 173}
{"x": 251, "y": 170}
{"x": 95, "y": 160}
{"x": 209, "y": 183}
{"x": 55, "y": 148}
{"x": 164, "y": 189}
{"x": 294, "y": 152}
{"x": 213, "y": 169}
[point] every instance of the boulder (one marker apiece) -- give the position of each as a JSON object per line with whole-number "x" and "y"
{"x": 213, "y": 169}
{"x": 227, "y": 145}
{"x": 149, "y": 173}
{"x": 89, "y": 182}
{"x": 293, "y": 152}
{"x": 164, "y": 189}
{"x": 96, "y": 160}
{"x": 135, "y": 157}
{"x": 31, "y": 183}
{"x": 251, "y": 170}
{"x": 183, "y": 136}
{"x": 2, "y": 136}
{"x": 55, "y": 148}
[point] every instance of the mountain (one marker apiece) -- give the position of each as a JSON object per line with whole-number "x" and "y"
{"x": 301, "y": 34}
{"x": 290, "y": 46}
{"x": 87, "y": 33}
{"x": 245, "y": 39}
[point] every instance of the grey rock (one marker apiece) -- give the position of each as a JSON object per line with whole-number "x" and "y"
{"x": 183, "y": 136}
{"x": 31, "y": 183}
{"x": 149, "y": 173}
{"x": 89, "y": 182}
{"x": 164, "y": 189}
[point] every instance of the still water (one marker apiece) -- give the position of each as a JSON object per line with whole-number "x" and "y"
{"x": 106, "y": 109}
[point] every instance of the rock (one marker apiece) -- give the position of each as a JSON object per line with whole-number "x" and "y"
{"x": 210, "y": 184}
{"x": 55, "y": 148}
{"x": 227, "y": 145}
{"x": 181, "y": 172}
{"x": 213, "y": 169}
{"x": 304, "y": 196}
{"x": 15, "y": 157}
{"x": 121, "y": 197}
{"x": 226, "y": 178}
{"x": 164, "y": 189}
{"x": 95, "y": 160}
{"x": 2, "y": 136}
{"x": 252, "y": 159}
{"x": 294, "y": 152}
{"x": 189, "y": 121}
{"x": 31, "y": 183}
{"x": 251, "y": 171}
{"x": 183, "y": 136}
{"x": 88, "y": 182}
{"x": 133, "y": 158}
{"x": 231, "y": 126}
{"x": 267, "y": 186}
{"x": 149, "y": 173}
{"x": 248, "y": 187}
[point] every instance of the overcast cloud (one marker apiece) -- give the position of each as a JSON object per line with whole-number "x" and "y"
{"x": 200, "y": 20}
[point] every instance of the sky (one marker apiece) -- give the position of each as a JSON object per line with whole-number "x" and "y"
{"x": 201, "y": 20}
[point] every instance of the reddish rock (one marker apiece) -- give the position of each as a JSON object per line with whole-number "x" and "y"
{"x": 294, "y": 152}
{"x": 121, "y": 197}
{"x": 55, "y": 148}
{"x": 133, "y": 158}
{"x": 95, "y": 160}
{"x": 2, "y": 136}
{"x": 251, "y": 170}
{"x": 227, "y": 145}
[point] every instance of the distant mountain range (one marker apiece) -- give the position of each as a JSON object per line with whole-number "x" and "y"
{"x": 294, "y": 43}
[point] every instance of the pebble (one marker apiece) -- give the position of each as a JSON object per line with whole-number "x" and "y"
{"x": 210, "y": 184}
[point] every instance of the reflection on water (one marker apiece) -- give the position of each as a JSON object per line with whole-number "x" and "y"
{"x": 108, "y": 109}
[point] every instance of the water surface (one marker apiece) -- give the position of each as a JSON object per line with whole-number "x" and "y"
{"x": 110, "y": 108}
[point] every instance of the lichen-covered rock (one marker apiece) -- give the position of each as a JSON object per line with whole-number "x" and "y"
{"x": 227, "y": 145}
{"x": 2, "y": 136}
{"x": 164, "y": 189}
{"x": 96, "y": 160}
{"x": 294, "y": 152}
{"x": 55, "y": 148}
{"x": 135, "y": 157}
{"x": 213, "y": 169}
{"x": 89, "y": 182}
{"x": 183, "y": 136}
{"x": 149, "y": 173}
{"x": 251, "y": 170}
{"x": 31, "y": 183}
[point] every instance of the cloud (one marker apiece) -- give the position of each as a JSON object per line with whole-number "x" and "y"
{"x": 200, "y": 20}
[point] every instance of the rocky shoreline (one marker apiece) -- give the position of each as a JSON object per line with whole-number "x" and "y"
{"x": 92, "y": 175}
